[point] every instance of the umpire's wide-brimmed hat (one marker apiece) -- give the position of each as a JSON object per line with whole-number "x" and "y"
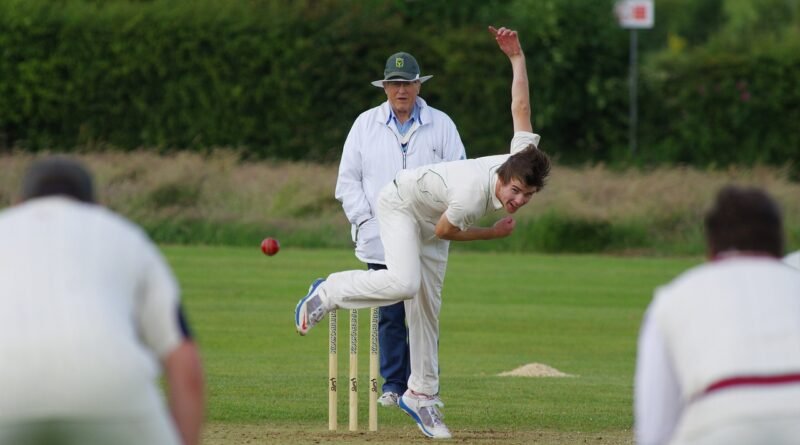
{"x": 401, "y": 67}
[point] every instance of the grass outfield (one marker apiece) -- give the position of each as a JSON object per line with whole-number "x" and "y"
{"x": 578, "y": 314}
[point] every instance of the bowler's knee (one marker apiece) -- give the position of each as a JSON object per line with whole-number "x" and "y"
{"x": 404, "y": 289}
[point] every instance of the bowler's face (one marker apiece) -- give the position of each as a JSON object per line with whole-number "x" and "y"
{"x": 513, "y": 195}
{"x": 402, "y": 95}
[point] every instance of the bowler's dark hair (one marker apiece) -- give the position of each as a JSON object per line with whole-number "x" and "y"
{"x": 744, "y": 219}
{"x": 530, "y": 166}
{"x": 58, "y": 176}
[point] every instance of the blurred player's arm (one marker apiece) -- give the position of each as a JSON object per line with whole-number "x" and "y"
{"x": 165, "y": 330}
{"x": 657, "y": 395}
{"x": 184, "y": 375}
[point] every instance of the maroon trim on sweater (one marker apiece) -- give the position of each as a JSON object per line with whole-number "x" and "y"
{"x": 754, "y": 380}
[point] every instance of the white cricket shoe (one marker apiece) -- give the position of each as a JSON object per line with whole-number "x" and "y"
{"x": 424, "y": 410}
{"x": 309, "y": 310}
{"x": 389, "y": 399}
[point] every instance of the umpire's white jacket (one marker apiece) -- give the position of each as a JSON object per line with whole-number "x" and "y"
{"x": 374, "y": 152}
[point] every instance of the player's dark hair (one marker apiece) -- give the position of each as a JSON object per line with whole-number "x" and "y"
{"x": 58, "y": 176}
{"x": 744, "y": 219}
{"x": 530, "y": 166}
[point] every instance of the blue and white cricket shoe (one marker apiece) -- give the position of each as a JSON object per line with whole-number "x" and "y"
{"x": 309, "y": 310}
{"x": 424, "y": 410}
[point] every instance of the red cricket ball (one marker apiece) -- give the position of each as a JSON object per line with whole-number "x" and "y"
{"x": 270, "y": 246}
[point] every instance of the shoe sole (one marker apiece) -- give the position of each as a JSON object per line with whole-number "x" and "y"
{"x": 414, "y": 416}
{"x": 311, "y": 290}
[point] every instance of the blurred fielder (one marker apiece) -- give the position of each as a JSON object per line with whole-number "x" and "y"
{"x": 719, "y": 349}
{"x": 91, "y": 314}
{"x": 793, "y": 259}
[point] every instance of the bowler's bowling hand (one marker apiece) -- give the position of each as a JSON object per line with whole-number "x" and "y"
{"x": 504, "y": 227}
{"x": 507, "y": 40}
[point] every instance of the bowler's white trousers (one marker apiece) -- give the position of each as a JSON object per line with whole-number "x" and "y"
{"x": 416, "y": 261}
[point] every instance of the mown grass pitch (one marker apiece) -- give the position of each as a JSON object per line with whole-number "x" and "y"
{"x": 578, "y": 314}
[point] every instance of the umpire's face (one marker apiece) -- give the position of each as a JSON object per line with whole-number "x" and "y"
{"x": 402, "y": 95}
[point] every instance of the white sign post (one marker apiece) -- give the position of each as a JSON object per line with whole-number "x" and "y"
{"x": 633, "y": 15}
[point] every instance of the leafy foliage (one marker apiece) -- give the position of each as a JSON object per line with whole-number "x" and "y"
{"x": 708, "y": 108}
{"x": 283, "y": 79}
{"x": 286, "y": 79}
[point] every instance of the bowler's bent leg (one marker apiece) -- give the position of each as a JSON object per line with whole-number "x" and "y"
{"x": 358, "y": 289}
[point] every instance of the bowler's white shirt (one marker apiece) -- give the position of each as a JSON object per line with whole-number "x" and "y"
{"x": 463, "y": 190}
{"x": 739, "y": 316}
{"x": 89, "y": 307}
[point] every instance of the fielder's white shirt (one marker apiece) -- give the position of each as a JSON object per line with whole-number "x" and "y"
{"x": 793, "y": 259}
{"x": 462, "y": 190}
{"x": 89, "y": 307}
{"x": 739, "y": 316}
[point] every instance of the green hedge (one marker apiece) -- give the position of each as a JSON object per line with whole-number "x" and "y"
{"x": 722, "y": 108}
{"x": 285, "y": 79}
{"x": 550, "y": 233}
{"x": 165, "y": 74}
{"x": 238, "y": 234}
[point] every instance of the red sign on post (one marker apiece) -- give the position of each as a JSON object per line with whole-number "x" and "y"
{"x": 637, "y": 14}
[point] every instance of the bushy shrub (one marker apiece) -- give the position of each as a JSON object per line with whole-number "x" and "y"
{"x": 708, "y": 108}
{"x": 557, "y": 233}
{"x": 283, "y": 79}
{"x": 286, "y": 79}
{"x": 193, "y": 231}
{"x": 174, "y": 195}
{"x": 553, "y": 232}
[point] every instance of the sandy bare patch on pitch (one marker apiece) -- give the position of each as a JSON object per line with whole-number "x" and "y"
{"x": 534, "y": 370}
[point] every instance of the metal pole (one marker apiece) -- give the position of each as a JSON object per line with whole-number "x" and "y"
{"x": 633, "y": 99}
